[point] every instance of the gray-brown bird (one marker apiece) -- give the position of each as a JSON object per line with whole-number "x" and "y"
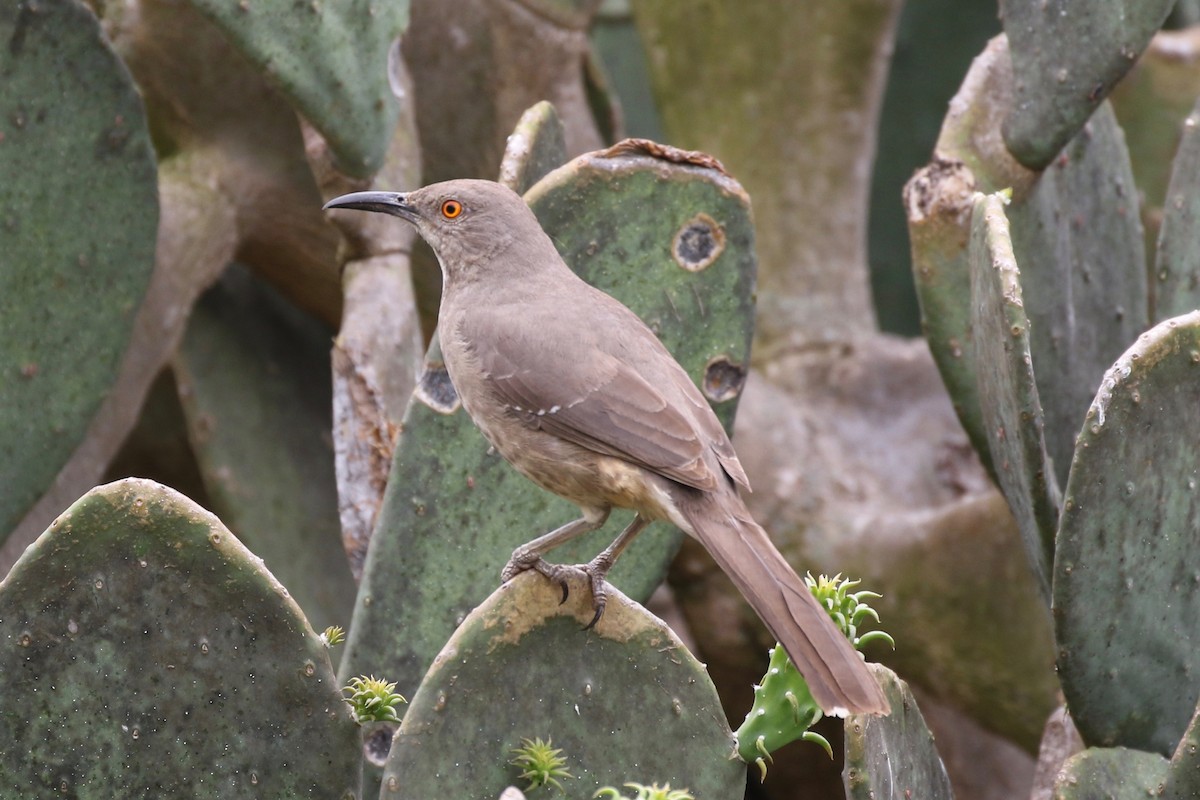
{"x": 574, "y": 390}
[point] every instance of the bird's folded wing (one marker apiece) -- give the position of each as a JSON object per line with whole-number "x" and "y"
{"x": 603, "y": 405}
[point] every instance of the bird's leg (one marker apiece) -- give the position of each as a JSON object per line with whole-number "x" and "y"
{"x": 597, "y": 569}
{"x": 529, "y": 556}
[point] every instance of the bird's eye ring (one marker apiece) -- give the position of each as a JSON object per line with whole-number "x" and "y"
{"x": 451, "y": 209}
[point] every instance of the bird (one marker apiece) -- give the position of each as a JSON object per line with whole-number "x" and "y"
{"x": 580, "y": 396}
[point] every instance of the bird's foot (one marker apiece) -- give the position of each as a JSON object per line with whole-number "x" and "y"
{"x": 530, "y": 560}
{"x": 596, "y": 571}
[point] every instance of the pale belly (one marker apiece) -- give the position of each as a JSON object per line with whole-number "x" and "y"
{"x": 590, "y": 480}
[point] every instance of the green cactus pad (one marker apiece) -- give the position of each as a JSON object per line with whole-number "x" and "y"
{"x": 782, "y": 712}
{"x": 144, "y": 652}
{"x": 1183, "y": 781}
{"x": 78, "y": 223}
{"x": 1012, "y": 412}
{"x": 1075, "y": 233}
{"x": 331, "y": 60}
{"x": 1149, "y": 102}
{"x": 624, "y": 701}
{"x": 535, "y": 148}
{"x": 1078, "y": 239}
{"x": 893, "y": 757}
{"x": 254, "y": 382}
{"x": 1124, "y": 774}
{"x": 1177, "y": 270}
{"x": 1127, "y": 571}
{"x": 1057, "y": 87}
{"x": 1112, "y": 774}
{"x": 453, "y": 512}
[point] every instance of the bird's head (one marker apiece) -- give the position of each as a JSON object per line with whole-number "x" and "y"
{"x": 466, "y": 222}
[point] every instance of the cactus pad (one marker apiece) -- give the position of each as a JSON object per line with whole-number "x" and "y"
{"x": 331, "y": 60}
{"x": 1012, "y": 412}
{"x": 144, "y": 652}
{"x": 1112, "y": 774}
{"x": 535, "y": 148}
{"x": 254, "y": 382}
{"x": 616, "y": 700}
{"x": 1127, "y": 571}
{"x": 893, "y": 757}
{"x": 78, "y": 224}
{"x": 1057, "y": 87}
{"x": 1177, "y": 270}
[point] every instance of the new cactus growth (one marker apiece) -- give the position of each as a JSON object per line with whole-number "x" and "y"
{"x": 783, "y": 708}
{"x": 643, "y": 792}
{"x": 541, "y": 763}
{"x": 373, "y": 700}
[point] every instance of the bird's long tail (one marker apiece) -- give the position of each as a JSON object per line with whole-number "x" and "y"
{"x": 837, "y": 676}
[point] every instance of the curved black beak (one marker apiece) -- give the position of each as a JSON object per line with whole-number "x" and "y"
{"x": 385, "y": 202}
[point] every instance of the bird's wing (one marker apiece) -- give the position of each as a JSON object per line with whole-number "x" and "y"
{"x": 573, "y": 387}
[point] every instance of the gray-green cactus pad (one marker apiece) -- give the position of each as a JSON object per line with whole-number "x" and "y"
{"x": 144, "y": 652}
{"x": 453, "y": 512}
{"x": 535, "y": 147}
{"x": 1075, "y": 233}
{"x": 331, "y": 60}
{"x": 1183, "y": 780}
{"x": 1176, "y": 277}
{"x": 254, "y": 382}
{"x": 1078, "y": 239}
{"x": 1123, "y": 774}
{"x": 1066, "y": 57}
{"x": 1111, "y": 774}
{"x": 1127, "y": 571}
{"x": 1012, "y": 412}
{"x": 893, "y": 757}
{"x": 78, "y": 223}
{"x": 625, "y": 701}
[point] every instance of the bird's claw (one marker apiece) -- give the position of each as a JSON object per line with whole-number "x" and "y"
{"x": 596, "y": 571}
{"x": 522, "y": 561}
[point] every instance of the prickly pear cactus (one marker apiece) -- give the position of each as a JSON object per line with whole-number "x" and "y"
{"x": 331, "y": 59}
{"x": 73, "y": 146}
{"x": 1176, "y": 277}
{"x": 453, "y": 511}
{"x": 1057, "y": 87}
{"x": 1075, "y": 234}
{"x": 253, "y": 376}
{"x": 535, "y": 148}
{"x": 1012, "y": 412}
{"x": 783, "y": 708}
{"x": 1123, "y": 774}
{"x": 1126, "y": 594}
{"x": 1111, "y": 773}
{"x": 613, "y": 699}
{"x": 1149, "y": 102}
{"x": 893, "y": 757}
{"x": 1183, "y": 778}
{"x": 144, "y": 652}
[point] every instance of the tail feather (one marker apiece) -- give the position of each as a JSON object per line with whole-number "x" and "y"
{"x": 837, "y": 676}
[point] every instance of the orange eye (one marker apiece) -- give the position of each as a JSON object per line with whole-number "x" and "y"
{"x": 451, "y": 209}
